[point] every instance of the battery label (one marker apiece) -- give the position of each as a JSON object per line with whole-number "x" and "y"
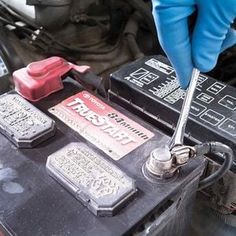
{"x": 3, "y": 68}
{"x": 102, "y": 125}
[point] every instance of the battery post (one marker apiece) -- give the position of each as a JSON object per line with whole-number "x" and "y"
{"x": 164, "y": 162}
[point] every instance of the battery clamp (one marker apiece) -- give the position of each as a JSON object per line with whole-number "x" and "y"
{"x": 164, "y": 163}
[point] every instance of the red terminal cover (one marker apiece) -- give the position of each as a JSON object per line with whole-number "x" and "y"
{"x": 42, "y": 78}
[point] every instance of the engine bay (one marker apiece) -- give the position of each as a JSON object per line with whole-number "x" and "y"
{"x": 94, "y": 59}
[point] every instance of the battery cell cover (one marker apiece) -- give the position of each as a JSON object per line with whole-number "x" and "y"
{"x": 22, "y": 123}
{"x": 96, "y": 182}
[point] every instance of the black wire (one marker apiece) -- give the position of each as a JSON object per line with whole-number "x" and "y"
{"x": 215, "y": 147}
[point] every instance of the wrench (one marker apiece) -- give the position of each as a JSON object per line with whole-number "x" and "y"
{"x": 178, "y": 136}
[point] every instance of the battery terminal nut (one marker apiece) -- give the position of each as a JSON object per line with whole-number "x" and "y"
{"x": 164, "y": 163}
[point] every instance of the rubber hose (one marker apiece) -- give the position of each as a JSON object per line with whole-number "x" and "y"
{"x": 130, "y": 32}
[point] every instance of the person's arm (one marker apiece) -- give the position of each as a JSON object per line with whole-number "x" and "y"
{"x": 212, "y": 33}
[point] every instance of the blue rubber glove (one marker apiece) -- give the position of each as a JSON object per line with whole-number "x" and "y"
{"x": 211, "y": 35}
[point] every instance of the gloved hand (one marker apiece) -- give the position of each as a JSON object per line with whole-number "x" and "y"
{"x": 211, "y": 34}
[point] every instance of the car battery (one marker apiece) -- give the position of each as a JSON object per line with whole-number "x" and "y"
{"x": 149, "y": 87}
{"x": 88, "y": 179}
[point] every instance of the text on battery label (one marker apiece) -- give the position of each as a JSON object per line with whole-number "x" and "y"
{"x": 19, "y": 116}
{"x": 103, "y": 122}
{"x": 79, "y": 170}
{"x": 22, "y": 123}
{"x": 90, "y": 177}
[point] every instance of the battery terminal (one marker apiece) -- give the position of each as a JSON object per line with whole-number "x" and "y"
{"x": 181, "y": 154}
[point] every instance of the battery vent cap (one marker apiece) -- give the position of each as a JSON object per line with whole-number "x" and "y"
{"x": 22, "y": 123}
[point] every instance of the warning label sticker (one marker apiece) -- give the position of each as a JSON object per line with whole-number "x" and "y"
{"x": 102, "y": 125}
